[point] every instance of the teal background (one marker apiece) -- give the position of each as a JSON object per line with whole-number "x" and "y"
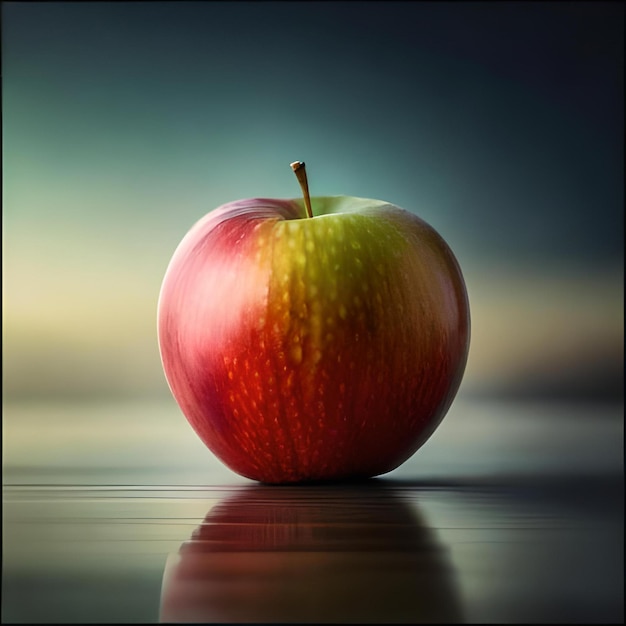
{"x": 501, "y": 124}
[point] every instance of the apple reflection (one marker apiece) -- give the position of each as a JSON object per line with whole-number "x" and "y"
{"x": 314, "y": 554}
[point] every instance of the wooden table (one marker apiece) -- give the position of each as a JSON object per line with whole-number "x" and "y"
{"x": 510, "y": 513}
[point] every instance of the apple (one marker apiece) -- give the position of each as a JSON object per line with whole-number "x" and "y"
{"x": 313, "y": 339}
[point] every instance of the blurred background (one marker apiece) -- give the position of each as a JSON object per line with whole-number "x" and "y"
{"x": 500, "y": 124}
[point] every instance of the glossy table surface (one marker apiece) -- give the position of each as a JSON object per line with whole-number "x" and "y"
{"x": 509, "y": 514}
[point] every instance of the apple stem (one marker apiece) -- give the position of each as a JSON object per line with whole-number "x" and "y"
{"x": 300, "y": 171}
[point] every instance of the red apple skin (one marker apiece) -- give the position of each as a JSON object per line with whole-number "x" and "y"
{"x": 313, "y": 349}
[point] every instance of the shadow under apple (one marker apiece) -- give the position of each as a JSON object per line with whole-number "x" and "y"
{"x": 358, "y": 553}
